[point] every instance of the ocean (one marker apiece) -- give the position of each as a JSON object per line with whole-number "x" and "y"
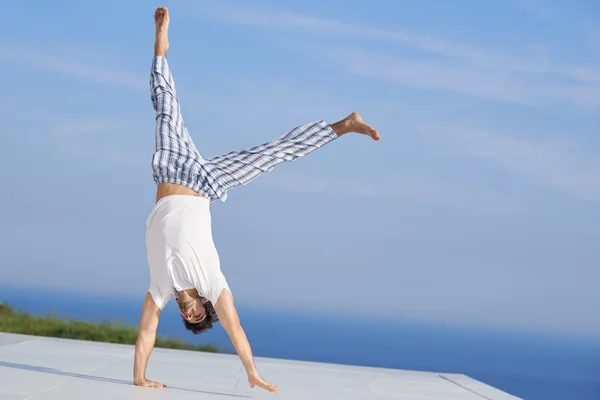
{"x": 532, "y": 366}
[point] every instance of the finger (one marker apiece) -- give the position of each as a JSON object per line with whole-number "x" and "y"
{"x": 270, "y": 387}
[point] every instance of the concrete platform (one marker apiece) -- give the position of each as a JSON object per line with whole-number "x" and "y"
{"x": 59, "y": 369}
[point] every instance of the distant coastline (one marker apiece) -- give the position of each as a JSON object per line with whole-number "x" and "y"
{"x": 13, "y": 321}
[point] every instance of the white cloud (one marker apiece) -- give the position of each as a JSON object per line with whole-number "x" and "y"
{"x": 428, "y": 75}
{"x": 265, "y": 17}
{"x": 100, "y": 139}
{"x": 587, "y": 74}
{"x": 490, "y": 84}
{"x": 71, "y": 68}
{"x": 551, "y": 163}
{"x": 402, "y": 186}
{"x": 536, "y": 9}
{"x": 529, "y": 78}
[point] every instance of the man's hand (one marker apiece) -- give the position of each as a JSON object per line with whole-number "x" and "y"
{"x": 145, "y": 341}
{"x": 148, "y": 383}
{"x": 256, "y": 380}
{"x": 230, "y": 321}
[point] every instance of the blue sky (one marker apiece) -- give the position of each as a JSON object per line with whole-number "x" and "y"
{"x": 479, "y": 205}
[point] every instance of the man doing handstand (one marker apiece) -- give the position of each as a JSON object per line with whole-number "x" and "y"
{"x": 182, "y": 258}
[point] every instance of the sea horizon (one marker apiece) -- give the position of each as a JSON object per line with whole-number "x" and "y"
{"x": 529, "y": 365}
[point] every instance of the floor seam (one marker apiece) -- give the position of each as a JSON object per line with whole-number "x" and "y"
{"x": 464, "y": 387}
{"x": 367, "y": 387}
{"x": 237, "y": 381}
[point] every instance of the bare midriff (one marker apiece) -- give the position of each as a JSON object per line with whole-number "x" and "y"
{"x": 170, "y": 189}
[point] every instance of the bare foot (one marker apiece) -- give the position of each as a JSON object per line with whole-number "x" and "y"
{"x": 161, "y": 43}
{"x": 355, "y": 123}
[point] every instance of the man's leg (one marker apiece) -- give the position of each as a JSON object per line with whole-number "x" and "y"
{"x": 176, "y": 155}
{"x": 240, "y": 167}
{"x": 177, "y": 161}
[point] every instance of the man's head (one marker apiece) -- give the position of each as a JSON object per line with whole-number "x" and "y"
{"x": 198, "y": 314}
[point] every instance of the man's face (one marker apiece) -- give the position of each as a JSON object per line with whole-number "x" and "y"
{"x": 193, "y": 310}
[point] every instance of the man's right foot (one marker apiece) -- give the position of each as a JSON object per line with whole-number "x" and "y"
{"x": 161, "y": 43}
{"x": 355, "y": 123}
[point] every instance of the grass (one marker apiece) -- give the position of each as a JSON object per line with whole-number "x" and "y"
{"x": 12, "y": 321}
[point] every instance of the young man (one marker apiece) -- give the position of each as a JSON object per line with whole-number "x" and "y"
{"x": 183, "y": 261}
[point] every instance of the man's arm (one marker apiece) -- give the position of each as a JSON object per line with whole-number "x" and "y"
{"x": 145, "y": 342}
{"x": 231, "y": 323}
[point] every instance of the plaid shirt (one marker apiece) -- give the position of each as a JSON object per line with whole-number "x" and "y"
{"x": 176, "y": 159}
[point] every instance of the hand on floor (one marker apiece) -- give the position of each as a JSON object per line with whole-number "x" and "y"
{"x": 256, "y": 380}
{"x": 149, "y": 383}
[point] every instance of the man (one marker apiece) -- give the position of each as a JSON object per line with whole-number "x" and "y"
{"x": 183, "y": 261}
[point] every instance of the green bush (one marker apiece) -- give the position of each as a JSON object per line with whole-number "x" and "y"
{"x": 12, "y": 321}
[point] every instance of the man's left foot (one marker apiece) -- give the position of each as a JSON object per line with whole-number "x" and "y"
{"x": 161, "y": 42}
{"x": 355, "y": 123}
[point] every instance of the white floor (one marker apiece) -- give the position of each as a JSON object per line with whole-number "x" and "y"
{"x": 60, "y": 369}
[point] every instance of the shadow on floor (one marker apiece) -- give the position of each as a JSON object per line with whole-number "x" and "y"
{"x": 100, "y": 378}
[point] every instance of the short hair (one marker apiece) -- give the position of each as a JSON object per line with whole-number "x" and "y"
{"x": 206, "y": 324}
